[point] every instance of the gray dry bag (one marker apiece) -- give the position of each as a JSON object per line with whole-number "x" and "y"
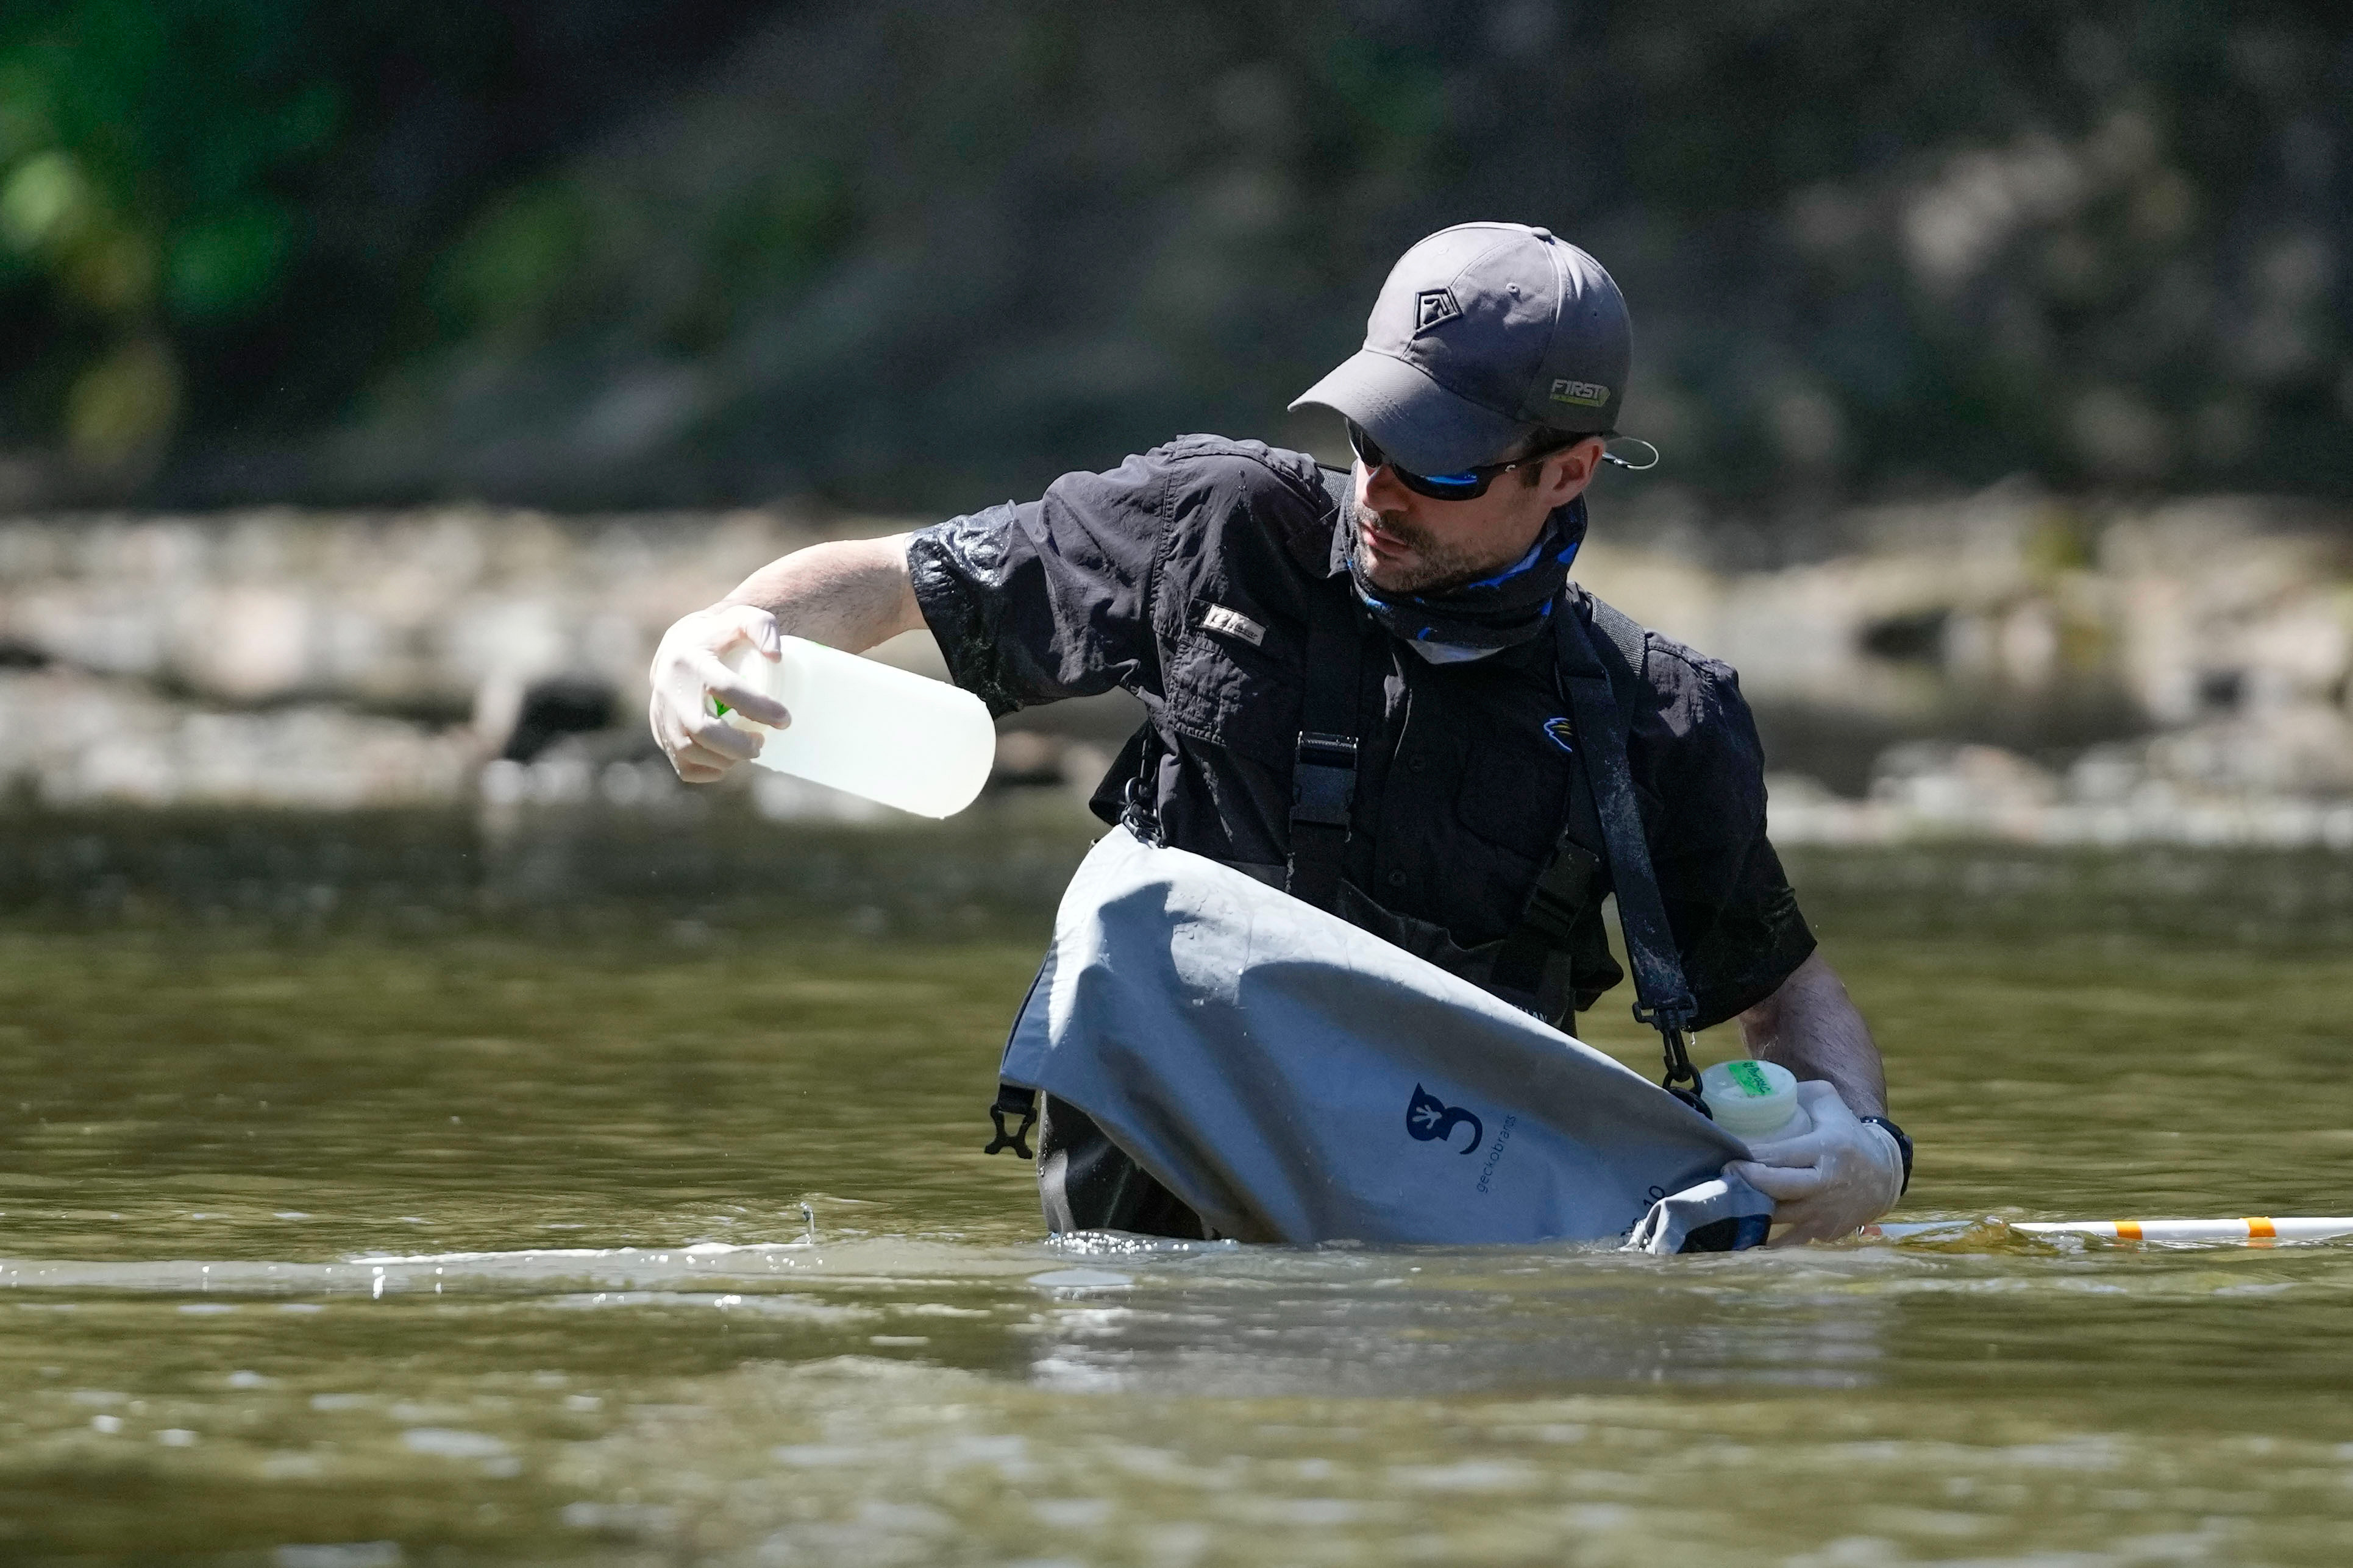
{"x": 1296, "y": 1079}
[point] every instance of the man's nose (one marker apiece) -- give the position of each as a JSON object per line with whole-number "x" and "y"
{"x": 1379, "y": 489}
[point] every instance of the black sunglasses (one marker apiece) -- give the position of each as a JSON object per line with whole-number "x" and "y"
{"x": 1468, "y": 485}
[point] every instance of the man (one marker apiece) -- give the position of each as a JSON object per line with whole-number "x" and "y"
{"x": 1355, "y": 690}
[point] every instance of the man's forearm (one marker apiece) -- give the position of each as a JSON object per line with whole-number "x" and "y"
{"x": 849, "y": 594}
{"x": 1811, "y": 1026}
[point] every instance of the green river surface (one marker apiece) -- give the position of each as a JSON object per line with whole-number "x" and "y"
{"x": 406, "y": 1189}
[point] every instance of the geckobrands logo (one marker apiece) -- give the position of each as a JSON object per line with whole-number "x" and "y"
{"x": 1432, "y": 1121}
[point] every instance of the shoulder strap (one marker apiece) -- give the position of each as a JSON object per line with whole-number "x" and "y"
{"x": 1601, "y": 676}
{"x": 1625, "y": 637}
{"x": 1323, "y": 761}
{"x": 1535, "y": 957}
{"x": 1340, "y": 485}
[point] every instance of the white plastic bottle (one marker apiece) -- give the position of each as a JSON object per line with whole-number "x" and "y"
{"x": 862, "y": 726}
{"x": 1755, "y": 1102}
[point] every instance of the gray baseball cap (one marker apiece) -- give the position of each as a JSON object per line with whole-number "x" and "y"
{"x": 1483, "y": 333}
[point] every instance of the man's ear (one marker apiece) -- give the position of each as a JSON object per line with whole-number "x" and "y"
{"x": 1567, "y": 471}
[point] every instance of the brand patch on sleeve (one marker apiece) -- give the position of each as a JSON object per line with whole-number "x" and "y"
{"x": 1586, "y": 394}
{"x": 1232, "y": 624}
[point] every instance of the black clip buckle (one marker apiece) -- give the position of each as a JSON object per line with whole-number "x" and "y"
{"x": 1320, "y": 750}
{"x": 1674, "y": 1013}
{"x": 1670, "y": 1018}
{"x": 1322, "y": 779}
{"x": 1013, "y": 1140}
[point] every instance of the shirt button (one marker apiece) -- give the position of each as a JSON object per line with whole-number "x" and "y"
{"x": 1417, "y": 764}
{"x": 1397, "y": 879}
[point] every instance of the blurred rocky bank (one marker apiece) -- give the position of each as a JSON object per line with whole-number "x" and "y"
{"x": 2009, "y": 664}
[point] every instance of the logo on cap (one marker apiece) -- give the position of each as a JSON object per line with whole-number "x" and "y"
{"x": 1580, "y": 392}
{"x": 1434, "y": 307}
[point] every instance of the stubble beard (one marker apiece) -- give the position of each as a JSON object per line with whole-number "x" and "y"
{"x": 1437, "y": 565}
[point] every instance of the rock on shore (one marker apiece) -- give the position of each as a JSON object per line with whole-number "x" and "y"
{"x": 2015, "y": 665}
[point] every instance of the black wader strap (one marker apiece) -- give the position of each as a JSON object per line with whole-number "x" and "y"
{"x": 1323, "y": 764}
{"x": 1322, "y": 792}
{"x": 1535, "y": 956}
{"x": 1588, "y": 665}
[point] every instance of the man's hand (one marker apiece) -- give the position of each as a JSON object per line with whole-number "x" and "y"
{"x": 1829, "y": 1182}
{"x": 1845, "y": 1172}
{"x": 687, "y": 672}
{"x": 849, "y": 594}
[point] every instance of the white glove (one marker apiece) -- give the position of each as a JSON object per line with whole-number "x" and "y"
{"x": 686, "y": 673}
{"x": 1827, "y": 1181}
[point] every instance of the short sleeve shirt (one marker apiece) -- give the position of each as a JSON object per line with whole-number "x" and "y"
{"x": 1188, "y": 576}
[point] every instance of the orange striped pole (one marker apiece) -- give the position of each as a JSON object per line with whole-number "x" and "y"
{"x": 2259, "y": 1231}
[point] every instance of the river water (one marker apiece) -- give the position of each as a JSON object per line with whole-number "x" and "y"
{"x": 381, "y": 1191}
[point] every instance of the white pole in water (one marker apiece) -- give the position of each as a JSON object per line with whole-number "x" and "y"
{"x": 2258, "y": 1231}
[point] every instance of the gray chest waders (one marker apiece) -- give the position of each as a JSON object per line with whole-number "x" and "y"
{"x": 1532, "y": 957}
{"x": 1286, "y": 1076}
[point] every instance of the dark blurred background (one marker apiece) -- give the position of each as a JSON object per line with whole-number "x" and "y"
{"x": 921, "y": 253}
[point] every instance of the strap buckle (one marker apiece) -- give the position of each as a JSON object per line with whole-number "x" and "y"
{"x": 1562, "y": 891}
{"x": 1011, "y": 1098}
{"x": 1673, "y": 1012}
{"x": 1324, "y": 778}
{"x": 1327, "y": 751}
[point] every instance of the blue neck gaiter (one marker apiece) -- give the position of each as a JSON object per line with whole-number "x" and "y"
{"x": 1500, "y": 611}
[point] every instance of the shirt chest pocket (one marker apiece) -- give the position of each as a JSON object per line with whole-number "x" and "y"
{"x": 1514, "y": 791}
{"x": 1235, "y": 679}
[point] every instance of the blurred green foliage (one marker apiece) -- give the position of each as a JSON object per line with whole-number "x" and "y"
{"x": 512, "y": 269}
{"x": 141, "y": 146}
{"x": 898, "y": 252}
{"x": 217, "y": 214}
